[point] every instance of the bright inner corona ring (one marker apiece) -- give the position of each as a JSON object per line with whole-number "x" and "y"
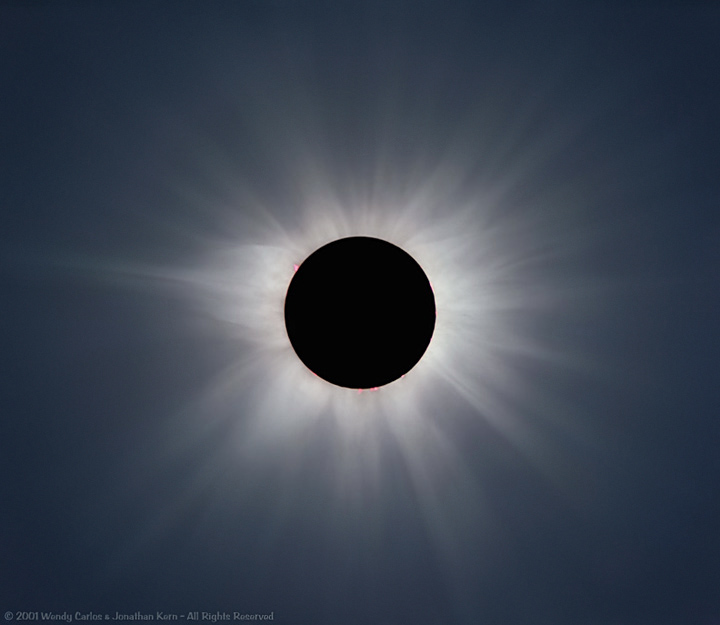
{"x": 470, "y": 261}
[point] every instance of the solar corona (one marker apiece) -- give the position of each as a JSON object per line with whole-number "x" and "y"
{"x": 360, "y": 312}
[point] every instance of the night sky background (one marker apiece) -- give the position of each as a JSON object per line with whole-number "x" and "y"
{"x": 128, "y": 130}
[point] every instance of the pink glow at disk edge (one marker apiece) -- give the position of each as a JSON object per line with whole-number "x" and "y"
{"x": 374, "y": 388}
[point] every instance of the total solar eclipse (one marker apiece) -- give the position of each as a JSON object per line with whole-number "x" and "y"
{"x": 360, "y": 312}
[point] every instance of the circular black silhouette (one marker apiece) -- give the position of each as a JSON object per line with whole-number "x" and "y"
{"x": 360, "y": 312}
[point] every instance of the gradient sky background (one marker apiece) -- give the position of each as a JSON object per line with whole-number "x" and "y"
{"x": 136, "y": 135}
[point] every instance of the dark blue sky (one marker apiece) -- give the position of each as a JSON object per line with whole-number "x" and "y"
{"x": 127, "y": 132}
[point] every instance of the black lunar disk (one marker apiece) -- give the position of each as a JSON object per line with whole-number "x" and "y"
{"x": 360, "y": 312}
